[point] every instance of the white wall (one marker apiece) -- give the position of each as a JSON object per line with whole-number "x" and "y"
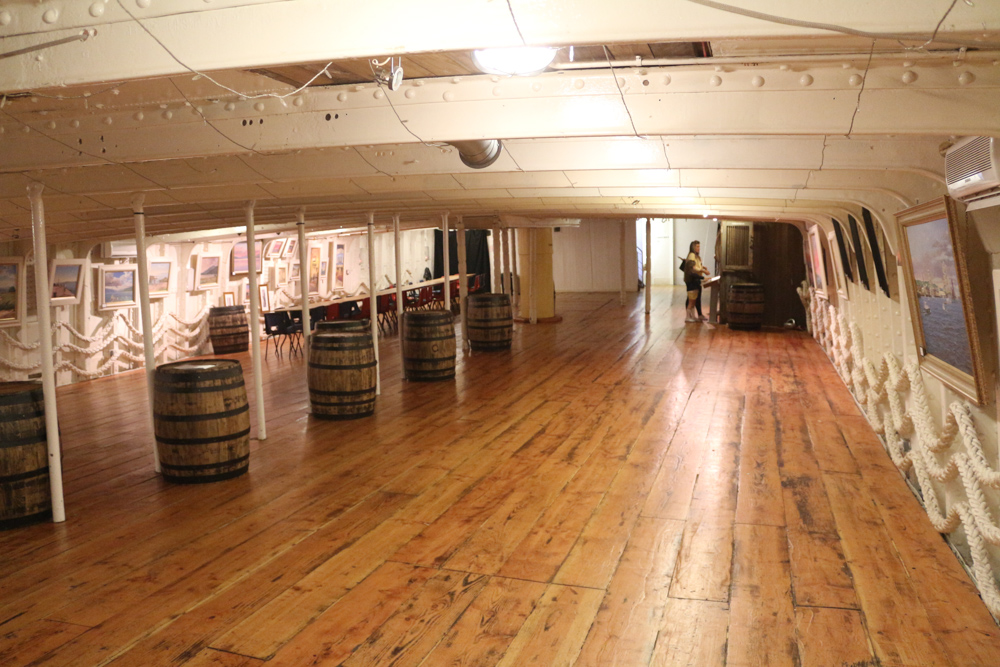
{"x": 588, "y": 258}
{"x": 696, "y": 229}
{"x": 664, "y": 258}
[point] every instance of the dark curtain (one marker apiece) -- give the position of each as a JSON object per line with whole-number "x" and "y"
{"x": 883, "y": 282}
{"x": 477, "y": 253}
{"x": 860, "y": 252}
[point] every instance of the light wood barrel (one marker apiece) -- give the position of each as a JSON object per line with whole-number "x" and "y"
{"x": 490, "y": 321}
{"x": 202, "y": 420}
{"x": 338, "y": 326}
{"x": 746, "y": 306}
{"x": 228, "y": 329}
{"x": 24, "y": 465}
{"x": 342, "y": 375}
{"x": 429, "y": 345}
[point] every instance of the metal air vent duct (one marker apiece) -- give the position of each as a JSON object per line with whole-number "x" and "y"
{"x": 478, "y": 154}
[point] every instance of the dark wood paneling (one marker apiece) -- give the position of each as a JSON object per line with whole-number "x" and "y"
{"x": 780, "y": 267}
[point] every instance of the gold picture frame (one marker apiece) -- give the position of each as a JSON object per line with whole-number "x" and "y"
{"x": 933, "y": 240}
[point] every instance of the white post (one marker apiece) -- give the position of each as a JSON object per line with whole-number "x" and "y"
{"x": 649, "y": 263}
{"x": 533, "y": 276}
{"x": 258, "y": 381}
{"x": 145, "y": 313}
{"x": 304, "y": 281}
{"x": 446, "y": 256}
{"x": 44, "y": 304}
{"x": 621, "y": 263}
{"x": 505, "y": 256}
{"x": 399, "y": 269}
{"x": 373, "y": 298}
{"x": 515, "y": 281}
{"x": 497, "y": 254}
{"x": 463, "y": 282}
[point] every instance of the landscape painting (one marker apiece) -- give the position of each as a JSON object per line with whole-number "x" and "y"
{"x": 66, "y": 281}
{"x": 207, "y": 271}
{"x": 10, "y": 288}
{"x": 117, "y": 286}
{"x": 942, "y": 316}
{"x": 338, "y": 266}
{"x": 159, "y": 277}
{"x": 239, "y": 262}
{"x": 314, "y": 255}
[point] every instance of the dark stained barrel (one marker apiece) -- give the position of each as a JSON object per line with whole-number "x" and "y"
{"x": 746, "y": 306}
{"x": 428, "y": 345}
{"x": 490, "y": 321}
{"x": 338, "y": 326}
{"x": 342, "y": 375}
{"x": 202, "y": 420}
{"x": 24, "y": 465}
{"x": 228, "y": 329}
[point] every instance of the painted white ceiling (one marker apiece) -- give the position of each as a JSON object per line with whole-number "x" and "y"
{"x": 785, "y": 121}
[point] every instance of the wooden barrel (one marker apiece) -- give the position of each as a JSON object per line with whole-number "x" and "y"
{"x": 24, "y": 464}
{"x": 428, "y": 345}
{"x": 490, "y": 321}
{"x": 342, "y": 375}
{"x": 746, "y": 306}
{"x": 228, "y": 329}
{"x": 202, "y": 420}
{"x": 338, "y": 326}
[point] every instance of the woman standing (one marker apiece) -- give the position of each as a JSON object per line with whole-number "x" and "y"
{"x": 694, "y": 272}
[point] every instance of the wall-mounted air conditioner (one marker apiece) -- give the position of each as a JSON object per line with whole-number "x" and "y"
{"x": 972, "y": 168}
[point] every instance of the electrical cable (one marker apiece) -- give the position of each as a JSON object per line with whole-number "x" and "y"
{"x": 864, "y": 80}
{"x": 614, "y": 76}
{"x": 516, "y": 26}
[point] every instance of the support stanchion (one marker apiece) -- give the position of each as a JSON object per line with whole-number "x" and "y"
{"x": 515, "y": 278}
{"x": 373, "y": 299}
{"x": 145, "y": 313}
{"x": 649, "y": 264}
{"x": 304, "y": 282}
{"x": 399, "y": 270}
{"x": 258, "y": 381}
{"x": 446, "y": 256}
{"x": 43, "y": 301}
{"x": 463, "y": 282}
{"x": 621, "y": 262}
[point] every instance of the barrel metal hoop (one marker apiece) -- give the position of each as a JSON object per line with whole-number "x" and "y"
{"x": 32, "y": 439}
{"x": 203, "y": 441}
{"x": 334, "y": 367}
{"x": 203, "y": 417}
{"x": 29, "y": 397}
{"x": 177, "y": 389}
{"x": 21, "y": 476}
{"x": 206, "y": 466}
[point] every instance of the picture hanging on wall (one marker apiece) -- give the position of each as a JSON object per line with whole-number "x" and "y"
{"x": 117, "y": 286}
{"x": 160, "y": 271}
{"x": 275, "y": 248}
{"x": 265, "y": 300}
{"x": 338, "y": 266}
{"x": 281, "y": 277}
{"x": 314, "y": 255}
{"x": 290, "y": 248}
{"x": 207, "y": 271}
{"x": 238, "y": 261}
{"x": 66, "y": 281}
{"x": 295, "y": 272}
{"x": 322, "y": 270}
{"x": 944, "y": 322}
{"x": 818, "y": 268}
{"x": 11, "y": 286}
{"x": 228, "y": 299}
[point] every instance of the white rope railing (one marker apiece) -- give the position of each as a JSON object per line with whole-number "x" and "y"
{"x": 914, "y": 441}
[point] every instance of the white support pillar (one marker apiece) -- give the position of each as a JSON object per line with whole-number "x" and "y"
{"x": 515, "y": 282}
{"x": 649, "y": 264}
{"x": 304, "y": 281}
{"x": 258, "y": 381}
{"x": 463, "y": 281}
{"x": 497, "y": 254}
{"x": 505, "y": 256}
{"x": 373, "y": 299}
{"x": 399, "y": 268}
{"x": 44, "y": 304}
{"x": 145, "y": 313}
{"x": 446, "y": 256}
{"x": 533, "y": 280}
{"x": 621, "y": 262}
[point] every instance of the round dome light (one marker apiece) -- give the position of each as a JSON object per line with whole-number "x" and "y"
{"x": 516, "y": 61}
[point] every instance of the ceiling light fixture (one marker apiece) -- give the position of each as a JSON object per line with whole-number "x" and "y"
{"x": 516, "y": 61}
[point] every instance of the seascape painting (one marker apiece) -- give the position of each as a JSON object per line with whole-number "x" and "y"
{"x": 159, "y": 277}
{"x": 9, "y": 275}
{"x": 117, "y": 287}
{"x": 208, "y": 271}
{"x": 939, "y": 298}
{"x": 240, "y": 262}
{"x": 66, "y": 281}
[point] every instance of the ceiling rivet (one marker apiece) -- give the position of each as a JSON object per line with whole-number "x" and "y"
{"x": 342, "y": 97}
{"x": 448, "y": 96}
{"x": 855, "y": 80}
{"x": 715, "y": 81}
{"x": 142, "y": 4}
{"x": 97, "y": 9}
{"x": 497, "y": 91}
{"x": 757, "y": 81}
{"x": 410, "y": 93}
{"x": 495, "y": 79}
{"x": 579, "y": 84}
{"x": 966, "y": 78}
{"x": 139, "y": 115}
{"x": 298, "y": 101}
{"x": 378, "y": 94}
{"x": 907, "y": 63}
{"x": 26, "y": 129}
{"x": 5, "y": 18}
{"x": 230, "y": 106}
{"x": 51, "y": 125}
{"x": 418, "y": 83}
{"x": 806, "y": 80}
{"x": 51, "y": 16}
{"x": 455, "y": 79}
{"x": 168, "y": 114}
{"x": 909, "y": 76}
{"x": 108, "y": 120}
{"x": 358, "y": 89}
{"x": 666, "y": 80}
{"x": 259, "y": 106}
{"x": 784, "y": 68}
{"x": 74, "y": 123}
{"x": 537, "y": 87}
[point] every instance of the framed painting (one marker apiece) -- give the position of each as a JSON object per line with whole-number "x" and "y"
{"x": 275, "y": 248}
{"x": 290, "y": 248}
{"x": 281, "y": 275}
{"x": 265, "y": 301}
{"x": 238, "y": 260}
{"x": 816, "y": 258}
{"x": 294, "y": 274}
{"x": 11, "y": 290}
{"x": 314, "y": 255}
{"x": 933, "y": 248}
{"x": 66, "y": 281}
{"x": 206, "y": 273}
{"x": 228, "y": 298}
{"x": 338, "y": 266}
{"x": 117, "y": 286}
{"x": 160, "y": 273}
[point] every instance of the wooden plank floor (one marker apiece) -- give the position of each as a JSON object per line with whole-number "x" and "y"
{"x": 616, "y": 490}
